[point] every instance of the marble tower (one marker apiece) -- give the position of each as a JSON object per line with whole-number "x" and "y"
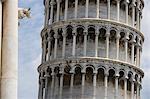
{"x": 91, "y": 49}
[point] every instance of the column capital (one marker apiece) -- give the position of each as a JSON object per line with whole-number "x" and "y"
{"x": 118, "y": 1}
{"x": 118, "y": 36}
{"x": 117, "y": 75}
{"x": 58, "y": 1}
{"x": 52, "y": 2}
{"x": 106, "y": 74}
{"x": 126, "y": 2}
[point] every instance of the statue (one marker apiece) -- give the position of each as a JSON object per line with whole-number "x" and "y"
{"x": 23, "y": 13}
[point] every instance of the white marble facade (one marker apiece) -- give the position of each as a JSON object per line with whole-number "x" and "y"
{"x": 91, "y": 49}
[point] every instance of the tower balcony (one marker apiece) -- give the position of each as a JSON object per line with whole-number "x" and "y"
{"x": 93, "y": 38}
{"x": 127, "y": 12}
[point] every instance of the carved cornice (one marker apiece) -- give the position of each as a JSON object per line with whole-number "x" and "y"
{"x": 96, "y": 62}
{"x": 96, "y": 22}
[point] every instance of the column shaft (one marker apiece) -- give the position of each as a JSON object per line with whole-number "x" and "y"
{"x": 49, "y": 48}
{"x": 127, "y": 12}
{"x": 132, "y": 53}
{"x": 106, "y": 86}
{"x": 138, "y": 14}
{"x": 94, "y": 79}
{"x": 118, "y": 10}
{"x": 87, "y": 9}
{"x": 0, "y": 36}
{"x": 46, "y": 87}
{"x": 97, "y": 10}
{"x": 47, "y": 12}
{"x": 126, "y": 50}
{"x": 96, "y": 45}
{"x": 137, "y": 91}
{"x": 85, "y": 43}
{"x": 137, "y": 55}
{"x": 56, "y": 43}
{"x": 133, "y": 15}
{"x": 52, "y": 86}
{"x": 58, "y": 10}
{"x": 9, "y": 50}
{"x": 83, "y": 79}
{"x": 76, "y": 9}
{"x": 64, "y": 46}
{"x": 107, "y": 46}
{"x": 61, "y": 84}
{"x": 72, "y": 79}
{"x": 52, "y": 11}
{"x": 74, "y": 45}
{"x": 117, "y": 45}
{"x": 66, "y": 9}
{"x": 132, "y": 90}
{"x": 125, "y": 88}
{"x": 116, "y": 87}
{"x": 44, "y": 51}
{"x": 108, "y": 9}
{"x": 40, "y": 94}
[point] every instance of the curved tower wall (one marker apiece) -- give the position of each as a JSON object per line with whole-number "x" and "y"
{"x": 91, "y": 49}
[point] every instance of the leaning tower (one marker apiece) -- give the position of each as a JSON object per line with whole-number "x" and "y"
{"x": 91, "y": 49}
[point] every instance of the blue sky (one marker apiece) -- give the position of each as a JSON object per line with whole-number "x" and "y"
{"x": 30, "y": 49}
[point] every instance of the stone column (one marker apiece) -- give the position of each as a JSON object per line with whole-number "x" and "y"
{"x": 117, "y": 44}
{"x": 52, "y": 11}
{"x": 46, "y": 76}
{"x": 96, "y": 42}
{"x": 116, "y": 86}
{"x": 49, "y": 46}
{"x": 87, "y": 9}
{"x": 64, "y": 42}
{"x": 85, "y": 40}
{"x": 72, "y": 79}
{"x": 118, "y": 10}
{"x": 58, "y": 10}
{"x": 56, "y": 43}
{"x": 133, "y": 13}
{"x": 74, "y": 42}
{"x": 9, "y": 50}
{"x": 127, "y": 9}
{"x": 83, "y": 84}
{"x": 76, "y": 9}
{"x": 0, "y": 34}
{"x": 83, "y": 79}
{"x": 126, "y": 50}
{"x": 125, "y": 88}
{"x": 138, "y": 91}
{"x": 66, "y": 10}
{"x": 94, "y": 79}
{"x": 94, "y": 84}
{"x": 138, "y": 13}
{"x": 52, "y": 84}
{"x": 137, "y": 54}
{"x": 97, "y": 10}
{"x": 61, "y": 85}
{"x": 132, "y": 90}
{"x": 47, "y": 6}
{"x": 108, "y": 9}
{"x": 132, "y": 51}
{"x": 107, "y": 43}
{"x": 126, "y": 46}
{"x": 44, "y": 50}
{"x": 41, "y": 86}
{"x": 106, "y": 85}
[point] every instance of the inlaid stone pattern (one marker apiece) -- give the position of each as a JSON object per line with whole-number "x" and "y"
{"x": 91, "y": 49}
